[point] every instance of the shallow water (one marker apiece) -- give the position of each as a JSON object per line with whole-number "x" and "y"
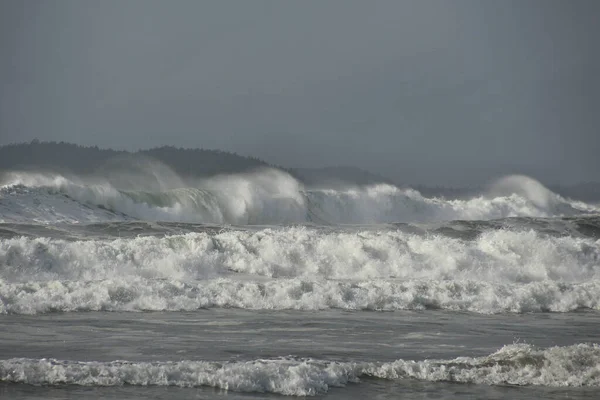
{"x": 237, "y": 336}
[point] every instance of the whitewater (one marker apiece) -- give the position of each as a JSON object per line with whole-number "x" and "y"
{"x": 151, "y": 285}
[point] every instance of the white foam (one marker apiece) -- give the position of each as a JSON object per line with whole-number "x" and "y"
{"x": 500, "y": 256}
{"x": 518, "y": 364}
{"x": 302, "y": 268}
{"x": 577, "y": 365}
{"x": 284, "y": 294}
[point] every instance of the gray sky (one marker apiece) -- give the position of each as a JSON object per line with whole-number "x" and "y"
{"x": 435, "y": 92}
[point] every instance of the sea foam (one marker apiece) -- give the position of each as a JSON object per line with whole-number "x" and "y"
{"x": 302, "y": 268}
{"x": 518, "y": 364}
{"x": 295, "y": 294}
{"x": 502, "y": 256}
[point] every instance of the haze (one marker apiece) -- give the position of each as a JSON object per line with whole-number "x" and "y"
{"x": 431, "y": 92}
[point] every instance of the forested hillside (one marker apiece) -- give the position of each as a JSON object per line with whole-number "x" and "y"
{"x": 81, "y": 159}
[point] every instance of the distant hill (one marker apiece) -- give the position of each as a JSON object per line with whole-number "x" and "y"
{"x": 87, "y": 160}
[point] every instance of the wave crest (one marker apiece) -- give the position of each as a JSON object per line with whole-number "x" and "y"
{"x": 266, "y": 197}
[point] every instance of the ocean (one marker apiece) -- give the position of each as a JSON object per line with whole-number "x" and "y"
{"x": 254, "y": 286}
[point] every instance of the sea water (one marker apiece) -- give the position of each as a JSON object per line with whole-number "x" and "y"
{"x": 253, "y": 286}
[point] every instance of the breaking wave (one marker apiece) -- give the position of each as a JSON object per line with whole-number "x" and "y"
{"x": 517, "y": 364}
{"x": 265, "y": 197}
{"x": 303, "y": 268}
{"x": 494, "y": 256}
{"x": 295, "y": 294}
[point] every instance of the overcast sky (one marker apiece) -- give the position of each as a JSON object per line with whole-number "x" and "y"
{"x": 438, "y": 92}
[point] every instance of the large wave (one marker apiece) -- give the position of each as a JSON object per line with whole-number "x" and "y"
{"x": 263, "y": 197}
{"x": 268, "y": 196}
{"x": 517, "y": 364}
{"x": 303, "y": 268}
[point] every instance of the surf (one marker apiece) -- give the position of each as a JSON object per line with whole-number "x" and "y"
{"x": 303, "y": 268}
{"x": 262, "y": 197}
{"x": 516, "y": 364}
